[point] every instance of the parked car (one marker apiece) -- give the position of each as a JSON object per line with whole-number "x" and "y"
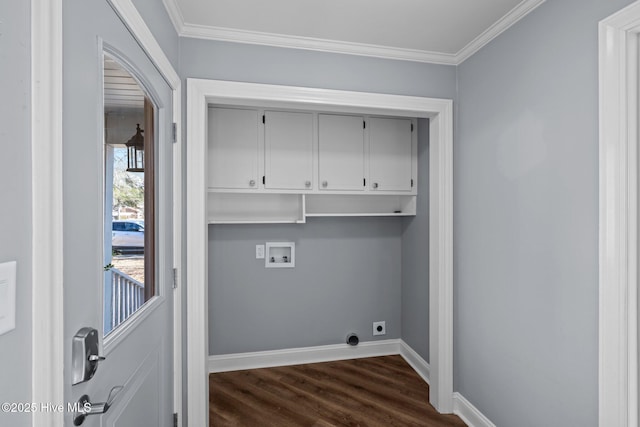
{"x": 127, "y": 234}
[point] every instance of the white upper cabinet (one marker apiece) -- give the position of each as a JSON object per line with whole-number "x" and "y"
{"x": 390, "y": 154}
{"x": 341, "y": 155}
{"x": 267, "y": 166}
{"x": 288, "y": 139}
{"x": 233, "y": 148}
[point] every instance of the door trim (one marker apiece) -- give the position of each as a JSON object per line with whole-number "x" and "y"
{"x": 47, "y": 383}
{"x": 618, "y": 246}
{"x": 439, "y": 111}
{"x": 47, "y": 339}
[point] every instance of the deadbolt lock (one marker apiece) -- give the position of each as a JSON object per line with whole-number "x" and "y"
{"x": 85, "y": 355}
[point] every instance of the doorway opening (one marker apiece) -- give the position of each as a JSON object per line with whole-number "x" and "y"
{"x": 200, "y": 94}
{"x": 129, "y": 201}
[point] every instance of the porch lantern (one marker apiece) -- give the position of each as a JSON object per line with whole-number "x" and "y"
{"x": 135, "y": 151}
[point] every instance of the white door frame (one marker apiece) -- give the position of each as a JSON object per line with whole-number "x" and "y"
{"x": 47, "y": 383}
{"x": 618, "y": 322}
{"x": 440, "y": 112}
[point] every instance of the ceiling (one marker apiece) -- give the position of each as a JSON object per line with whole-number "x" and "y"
{"x": 438, "y": 31}
{"x": 123, "y": 103}
{"x": 120, "y": 89}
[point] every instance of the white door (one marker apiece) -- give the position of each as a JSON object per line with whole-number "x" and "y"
{"x": 288, "y": 139}
{"x": 233, "y": 148}
{"x": 390, "y": 145}
{"x": 341, "y": 152}
{"x": 138, "y": 367}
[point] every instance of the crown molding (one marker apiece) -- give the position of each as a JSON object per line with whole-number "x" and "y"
{"x": 334, "y": 46}
{"x": 175, "y": 15}
{"x": 316, "y": 44}
{"x": 500, "y": 26}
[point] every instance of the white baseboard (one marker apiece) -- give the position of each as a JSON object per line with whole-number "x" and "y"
{"x": 417, "y": 363}
{"x": 299, "y": 356}
{"x": 328, "y": 353}
{"x": 469, "y": 413}
{"x": 461, "y": 406}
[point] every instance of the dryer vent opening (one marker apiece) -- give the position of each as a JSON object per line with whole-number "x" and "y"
{"x": 352, "y": 339}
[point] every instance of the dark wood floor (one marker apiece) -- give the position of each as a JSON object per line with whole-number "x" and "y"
{"x": 376, "y": 391}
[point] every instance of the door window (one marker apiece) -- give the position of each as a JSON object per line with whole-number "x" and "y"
{"x": 129, "y": 207}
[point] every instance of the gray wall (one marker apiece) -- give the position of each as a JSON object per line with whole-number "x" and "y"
{"x": 526, "y": 220}
{"x": 415, "y": 257}
{"x": 261, "y": 64}
{"x": 346, "y": 276}
{"x": 15, "y": 190}
{"x": 157, "y": 19}
{"x": 292, "y": 67}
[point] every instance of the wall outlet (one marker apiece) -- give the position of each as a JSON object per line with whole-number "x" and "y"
{"x": 379, "y": 328}
{"x": 259, "y": 251}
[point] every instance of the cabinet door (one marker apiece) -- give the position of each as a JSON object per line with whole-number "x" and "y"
{"x": 233, "y": 148}
{"x": 288, "y": 139}
{"x": 390, "y": 164}
{"x": 341, "y": 152}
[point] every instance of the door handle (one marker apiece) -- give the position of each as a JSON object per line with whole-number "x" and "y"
{"x": 85, "y": 407}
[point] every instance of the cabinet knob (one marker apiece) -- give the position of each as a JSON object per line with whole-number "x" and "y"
{"x": 307, "y": 184}
{"x": 375, "y": 185}
{"x": 324, "y": 184}
{"x": 252, "y": 183}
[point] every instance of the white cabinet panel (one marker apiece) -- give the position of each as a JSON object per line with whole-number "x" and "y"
{"x": 288, "y": 150}
{"x": 313, "y": 164}
{"x": 341, "y": 152}
{"x": 390, "y": 147}
{"x": 233, "y": 140}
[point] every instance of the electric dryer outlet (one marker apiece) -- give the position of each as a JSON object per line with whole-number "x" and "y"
{"x": 379, "y": 328}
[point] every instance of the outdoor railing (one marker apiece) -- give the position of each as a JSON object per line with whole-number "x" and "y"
{"x": 127, "y": 295}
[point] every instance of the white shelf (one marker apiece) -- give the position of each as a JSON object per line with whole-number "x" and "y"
{"x": 321, "y": 191}
{"x": 319, "y": 215}
{"x": 256, "y": 220}
{"x": 242, "y": 208}
{"x": 360, "y": 205}
{"x": 272, "y": 208}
